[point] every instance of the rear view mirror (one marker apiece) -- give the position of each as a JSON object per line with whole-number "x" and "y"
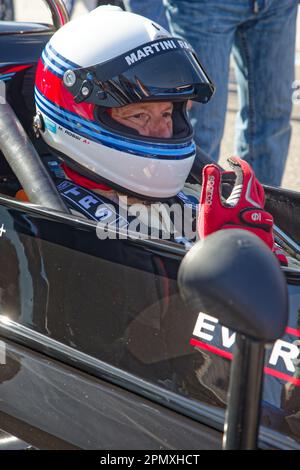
{"x": 233, "y": 276}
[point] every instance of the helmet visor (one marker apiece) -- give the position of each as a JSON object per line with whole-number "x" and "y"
{"x": 167, "y": 69}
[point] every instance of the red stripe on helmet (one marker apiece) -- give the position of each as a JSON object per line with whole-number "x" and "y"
{"x": 83, "y": 180}
{"x": 53, "y": 89}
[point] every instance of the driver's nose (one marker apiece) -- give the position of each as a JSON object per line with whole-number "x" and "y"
{"x": 161, "y": 128}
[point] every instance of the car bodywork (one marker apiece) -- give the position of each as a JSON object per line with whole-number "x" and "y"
{"x": 98, "y": 350}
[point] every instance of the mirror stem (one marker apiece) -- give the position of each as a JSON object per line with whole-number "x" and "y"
{"x": 244, "y": 396}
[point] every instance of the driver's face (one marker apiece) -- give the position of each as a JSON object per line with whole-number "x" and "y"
{"x": 151, "y": 119}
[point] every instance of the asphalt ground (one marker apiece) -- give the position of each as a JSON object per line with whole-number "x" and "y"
{"x": 36, "y": 10}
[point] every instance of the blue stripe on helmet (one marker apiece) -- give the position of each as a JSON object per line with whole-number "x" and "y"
{"x": 68, "y": 114}
{"x": 68, "y": 63}
{"x": 93, "y": 125}
{"x": 56, "y": 70}
{"x": 56, "y": 62}
{"x": 112, "y": 139}
{"x": 114, "y": 143}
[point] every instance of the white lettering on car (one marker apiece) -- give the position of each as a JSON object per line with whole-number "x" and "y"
{"x": 203, "y": 323}
{"x": 284, "y": 352}
{"x": 287, "y": 352}
{"x": 227, "y": 338}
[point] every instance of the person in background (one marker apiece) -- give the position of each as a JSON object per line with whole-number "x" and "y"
{"x": 118, "y": 3}
{"x": 154, "y": 10}
{"x": 69, "y": 6}
{"x": 6, "y": 10}
{"x": 91, "y": 4}
{"x": 261, "y": 35}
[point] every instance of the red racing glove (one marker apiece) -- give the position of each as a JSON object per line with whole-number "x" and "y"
{"x": 243, "y": 209}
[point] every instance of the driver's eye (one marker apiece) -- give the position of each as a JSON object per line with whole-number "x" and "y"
{"x": 141, "y": 117}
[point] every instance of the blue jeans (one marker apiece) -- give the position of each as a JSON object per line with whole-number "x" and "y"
{"x": 261, "y": 36}
{"x": 153, "y": 9}
{"x": 6, "y": 10}
{"x": 69, "y": 5}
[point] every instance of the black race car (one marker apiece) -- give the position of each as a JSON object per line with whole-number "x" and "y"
{"x": 98, "y": 349}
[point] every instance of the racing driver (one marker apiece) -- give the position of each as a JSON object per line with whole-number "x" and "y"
{"x": 112, "y": 91}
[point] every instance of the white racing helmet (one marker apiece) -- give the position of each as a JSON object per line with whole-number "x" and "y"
{"x": 110, "y": 58}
